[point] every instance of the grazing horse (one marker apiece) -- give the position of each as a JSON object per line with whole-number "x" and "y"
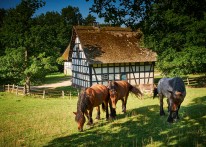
{"x": 174, "y": 90}
{"x": 88, "y": 99}
{"x": 119, "y": 90}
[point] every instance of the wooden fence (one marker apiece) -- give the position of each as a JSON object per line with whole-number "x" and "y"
{"x": 20, "y": 90}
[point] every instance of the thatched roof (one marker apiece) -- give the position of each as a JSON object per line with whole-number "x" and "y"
{"x": 112, "y": 45}
{"x": 65, "y": 55}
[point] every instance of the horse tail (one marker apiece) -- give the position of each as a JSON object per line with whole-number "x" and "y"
{"x": 155, "y": 92}
{"x": 135, "y": 91}
{"x": 103, "y": 107}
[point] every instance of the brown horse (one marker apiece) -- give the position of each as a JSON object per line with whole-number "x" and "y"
{"x": 119, "y": 90}
{"x": 88, "y": 99}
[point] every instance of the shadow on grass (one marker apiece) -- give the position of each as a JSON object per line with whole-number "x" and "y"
{"x": 143, "y": 126}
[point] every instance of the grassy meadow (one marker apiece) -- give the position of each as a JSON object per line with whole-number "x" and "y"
{"x": 27, "y": 121}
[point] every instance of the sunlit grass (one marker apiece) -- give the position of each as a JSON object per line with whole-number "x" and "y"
{"x": 31, "y": 122}
{"x": 56, "y": 78}
{"x": 27, "y": 121}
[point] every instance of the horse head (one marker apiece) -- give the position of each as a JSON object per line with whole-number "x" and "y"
{"x": 81, "y": 108}
{"x": 80, "y": 119}
{"x": 175, "y": 100}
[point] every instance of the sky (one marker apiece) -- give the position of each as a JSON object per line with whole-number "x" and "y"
{"x": 56, "y": 5}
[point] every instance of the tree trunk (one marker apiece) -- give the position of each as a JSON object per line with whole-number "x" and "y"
{"x": 27, "y": 80}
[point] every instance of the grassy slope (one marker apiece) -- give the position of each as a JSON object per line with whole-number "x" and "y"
{"x": 50, "y": 122}
{"x": 27, "y": 121}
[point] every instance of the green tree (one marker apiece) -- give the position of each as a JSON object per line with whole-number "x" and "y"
{"x": 13, "y": 68}
{"x": 72, "y": 15}
{"x": 174, "y": 29}
{"x": 21, "y": 52}
{"x": 52, "y": 33}
{"x": 89, "y": 20}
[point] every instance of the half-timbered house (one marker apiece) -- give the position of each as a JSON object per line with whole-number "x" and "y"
{"x": 100, "y": 54}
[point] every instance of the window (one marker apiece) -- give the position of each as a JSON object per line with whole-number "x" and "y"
{"x": 105, "y": 77}
{"x": 123, "y": 76}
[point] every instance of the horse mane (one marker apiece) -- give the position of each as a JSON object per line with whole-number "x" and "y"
{"x": 177, "y": 84}
{"x": 83, "y": 101}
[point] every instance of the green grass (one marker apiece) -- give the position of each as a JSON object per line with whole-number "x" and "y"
{"x": 27, "y": 121}
{"x": 56, "y": 78}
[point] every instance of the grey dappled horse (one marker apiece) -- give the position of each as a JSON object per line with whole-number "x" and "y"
{"x": 174, "y": 90}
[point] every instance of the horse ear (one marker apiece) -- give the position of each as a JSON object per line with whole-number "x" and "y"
{"x": 178, "y": 93}
{"x": 75, "y": 113}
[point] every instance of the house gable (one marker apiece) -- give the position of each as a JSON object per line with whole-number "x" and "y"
{"x": 102, "y": 54}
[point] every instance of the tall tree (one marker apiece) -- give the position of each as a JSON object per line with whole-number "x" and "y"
{"x": 89, "y": 20}
{"x": 118, "y": 12}
{"x": 18, "y": 42}
{"x": 72, "y": 15}
{"x": 174, "y": 29}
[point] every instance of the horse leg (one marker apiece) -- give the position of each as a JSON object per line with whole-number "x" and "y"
{"x": 98, "y": 112}
{"x": 168, "y": 106}
{"x": 125, "y": 102}
{"x": 161, "y": 105}
{"x": 123, "y": 106}
{"x": 90, "y": 117}
{"x": 170, "y": 119}
{"x": 107, "y": 111}
{"x": 177, "y": 112}
{"x": 87, "y": 115}
{"x": 173, "y": 116}
{"x": 112, "y": 110}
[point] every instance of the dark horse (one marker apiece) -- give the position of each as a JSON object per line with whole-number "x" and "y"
{"x": 174, "y": 90}
{"x": 119, "y": 90}
{"x": 88, "y": 99}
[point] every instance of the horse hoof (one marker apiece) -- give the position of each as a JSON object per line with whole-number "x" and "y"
{"x": 89, "y": 123}
{"x": 112, "y": 117}
{"x": 124, "y": 110}
{"x": 162, "y": 113}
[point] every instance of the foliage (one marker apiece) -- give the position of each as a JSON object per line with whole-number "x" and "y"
{"x": 12, "y": 65}
{"x": 182, "y": 49}
{"x": 174, "y": 29}
{"x": 13, "y": 68}
{"x": 16, "y": 35}
{"x": 40, "y": 66}
{"x": 34, "y": 42}
{"x": 118, "y": 12}
{"x": 72, "y": 15}
{"x": 89, "y": 20}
